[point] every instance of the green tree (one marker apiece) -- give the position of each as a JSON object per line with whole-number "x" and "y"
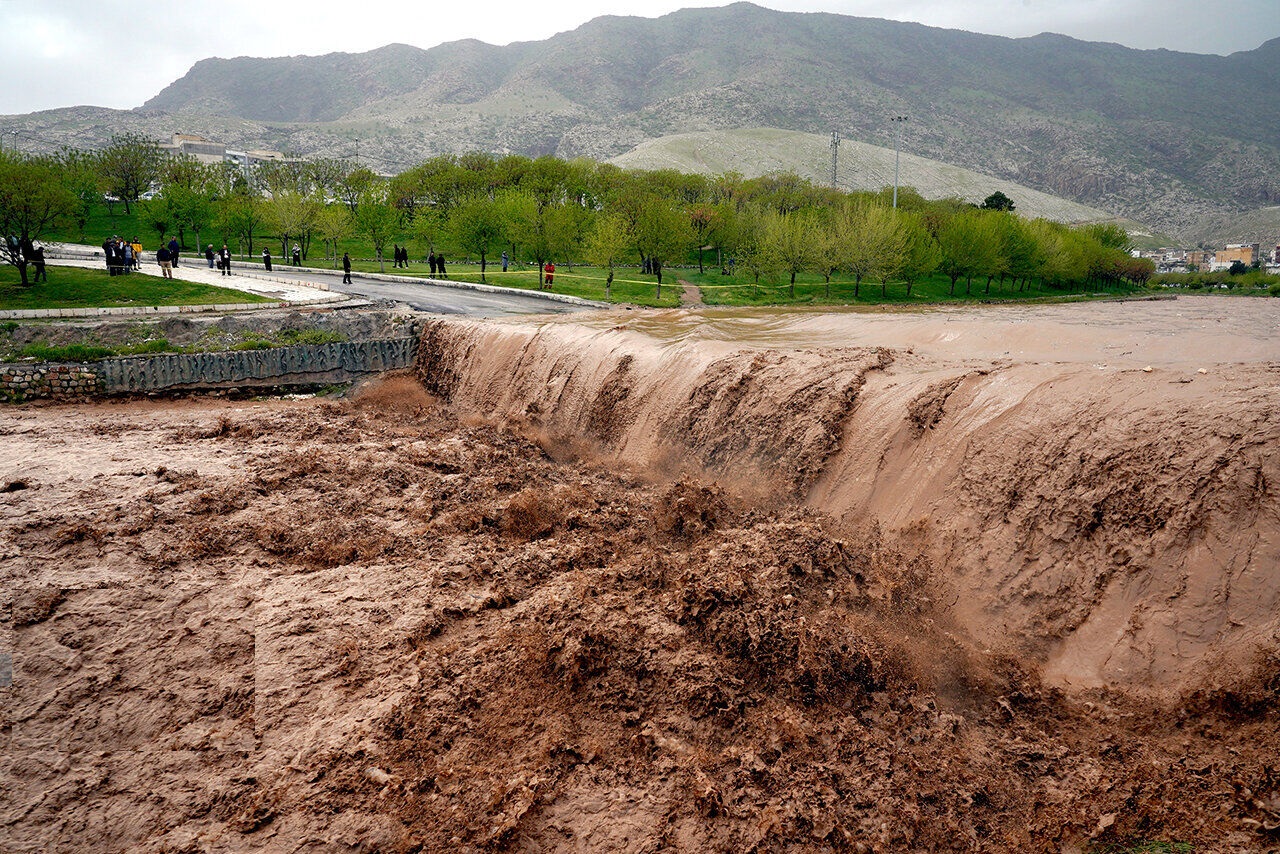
{"x": 661, "y": 232}
{"x": 240, "y": 216}
{"x": 477, "y": 225}
{"x": 292, "y": 216}
{"x": 870, "y": 241}
{"x": 334, "y": 225}
{"x": 921, "y": 254}
{"x": 792, "y": 239}
{"x": 33, "y": 200}
{"x": 129, "y": 166}
{"x": 376, "y": 218}
{"x": 997, "y": 201}
{"x": 606, "y": 246}
{"x": 969, "y": 246}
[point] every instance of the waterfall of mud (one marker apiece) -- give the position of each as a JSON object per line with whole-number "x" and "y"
{"x": 1117, "y": 528}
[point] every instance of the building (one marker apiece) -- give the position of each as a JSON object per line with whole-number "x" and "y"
{"x": 203, "y": 150}
{"x": 1245, "y": 253}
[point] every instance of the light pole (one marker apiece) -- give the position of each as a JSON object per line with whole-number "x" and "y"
{"x": 897, "y": 140}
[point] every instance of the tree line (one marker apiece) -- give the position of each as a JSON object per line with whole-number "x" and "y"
{"x": 568, "y": 211}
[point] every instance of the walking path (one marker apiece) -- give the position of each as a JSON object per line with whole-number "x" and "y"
{"x": 282, "y": 293}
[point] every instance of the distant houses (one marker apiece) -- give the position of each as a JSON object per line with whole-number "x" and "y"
{"x": 208, "y": 151}
{"x": 1212, "y": 260}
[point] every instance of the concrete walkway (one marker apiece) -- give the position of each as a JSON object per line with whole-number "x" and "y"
{"x": 282, "y": 293}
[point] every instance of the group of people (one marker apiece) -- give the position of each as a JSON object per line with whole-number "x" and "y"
{"x": 122, "y": 255}
{"x": 24, "y": 249}
{"x": 220, "y": 259}
{"x": 400, "y": 256}
{"x": 436, "y": 263}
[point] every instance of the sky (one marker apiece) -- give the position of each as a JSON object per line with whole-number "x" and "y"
{"x": 120, "y": 53}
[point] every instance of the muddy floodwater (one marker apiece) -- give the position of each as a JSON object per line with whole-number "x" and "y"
{"x": 972, "y": 579}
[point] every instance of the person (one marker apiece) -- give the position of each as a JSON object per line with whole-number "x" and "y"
{"x": 297, "y": 255}
{"x": 504, "y": 261}
{"x": 162, "y": 258}
{"x": 395, "y": 259}
{"x": 346, "y": 268}
{"x": 224, "y": 260}
{"x": 107, "y": 251}
{"x": 37, "y": 258}
{"x": 126, "y": 249}
{"x": 173, "y": 251}
{"x": 137, "y": 254}
{"x": 431, "y": 261}
{"x": 440, "y": 266}
{"x": 208, "y": 254}
{"x": 549, "y": 272}
{"x": 266, "y": 260}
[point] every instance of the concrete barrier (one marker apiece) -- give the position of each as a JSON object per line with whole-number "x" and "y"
{"x": 277, "y": 366}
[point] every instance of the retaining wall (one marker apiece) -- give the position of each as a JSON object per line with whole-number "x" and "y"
{"x": 300, "y": 365}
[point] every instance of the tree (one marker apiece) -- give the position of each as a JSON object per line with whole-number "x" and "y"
{"x": 607, "y": 245}
{"x": 80, "y": 175}
{"x": 33, "y": 199}
{"x": 129, "y": 166}
{"x": 921, "y": 254}
{"x": 969, "y": 245}
{"x": 292, "y": 215}
{"x": 334, "y": 225}
{"x": 354, "y": 185}
{"x": 871, "y": 243}
{"x": 661, "y": 231}
{"x": 792, "y": 240}
{"x": 376, "y": 218}
{"x": 477, "y": 225}
{"x": 997, "y": 201}
{"x": 240, "y": 215}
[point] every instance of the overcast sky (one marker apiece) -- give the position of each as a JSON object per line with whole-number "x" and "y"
{"x": 119, "y": 53}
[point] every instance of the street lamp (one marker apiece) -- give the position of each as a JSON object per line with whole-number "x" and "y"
{"x": 898, "y": 120}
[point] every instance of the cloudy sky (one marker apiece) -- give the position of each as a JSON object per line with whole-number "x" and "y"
{"x": 119, "y": 53}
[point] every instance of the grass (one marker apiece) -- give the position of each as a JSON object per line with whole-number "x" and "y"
{"x": 77, "y": 287}
{"x": 811, "y": 289}
{"x": 1144, "y": 848}
{"x": 94, "y": 350}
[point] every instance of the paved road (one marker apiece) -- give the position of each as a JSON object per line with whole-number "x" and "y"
{"x": 434, "y": 298}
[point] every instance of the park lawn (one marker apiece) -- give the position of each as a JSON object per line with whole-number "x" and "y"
{"x": 810, "y": 289}
{"x": 78, "y": 287}
{"x": 582, "y": 281}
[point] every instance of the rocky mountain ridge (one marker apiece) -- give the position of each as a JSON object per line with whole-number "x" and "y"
{"x": 1163, "y": 137}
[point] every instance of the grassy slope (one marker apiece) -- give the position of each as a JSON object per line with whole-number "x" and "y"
{"x": 76, "y": 287}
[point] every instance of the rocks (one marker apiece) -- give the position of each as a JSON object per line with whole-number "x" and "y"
{"x": 37, "y": 381}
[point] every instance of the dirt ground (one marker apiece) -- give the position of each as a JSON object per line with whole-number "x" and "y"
{"x": 398, "y": 623}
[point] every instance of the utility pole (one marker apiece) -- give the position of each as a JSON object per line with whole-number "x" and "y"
{"x": 835, "y": 148}
{"x": 897, "y": 140}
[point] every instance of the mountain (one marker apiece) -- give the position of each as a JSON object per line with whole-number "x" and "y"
{"x": 1171, "y": 139}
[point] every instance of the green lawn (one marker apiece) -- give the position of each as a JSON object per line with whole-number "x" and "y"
{"x": 810, "y": 289}
{"x": 77, "y": 287}
{"x": 585, "y": 282}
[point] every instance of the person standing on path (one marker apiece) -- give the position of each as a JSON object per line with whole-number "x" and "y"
{"x": 297, "y": 255}
{"x": 173, "y": 251}
{"x": 137, "y": 254}
{"x": 162, "y": 258}
{"x": 346, "y": 268}
{"x": 549, "y": 273}
{"x": 37, "y": 258}
{"x": 224, "y": 260}
{"x": 504, "y": 261}
{"x": 266, "y": 260}
{"x": 431, "y": 261}
{"x": 440, "y": 266}
{"x": 208, "y": 254}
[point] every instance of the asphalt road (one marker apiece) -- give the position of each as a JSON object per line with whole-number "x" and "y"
{"x": 433, "y": 298}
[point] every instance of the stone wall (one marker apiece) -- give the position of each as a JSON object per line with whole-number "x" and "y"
{"x": 301, "y": 365}
{"x": 28, "y": 381}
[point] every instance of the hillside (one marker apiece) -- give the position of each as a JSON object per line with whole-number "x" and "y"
{"x": 1164, "y": 137}
{"x": 860, "y": 166}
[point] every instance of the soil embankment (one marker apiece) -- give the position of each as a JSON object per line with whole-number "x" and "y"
{"x": 503, "y": 619}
